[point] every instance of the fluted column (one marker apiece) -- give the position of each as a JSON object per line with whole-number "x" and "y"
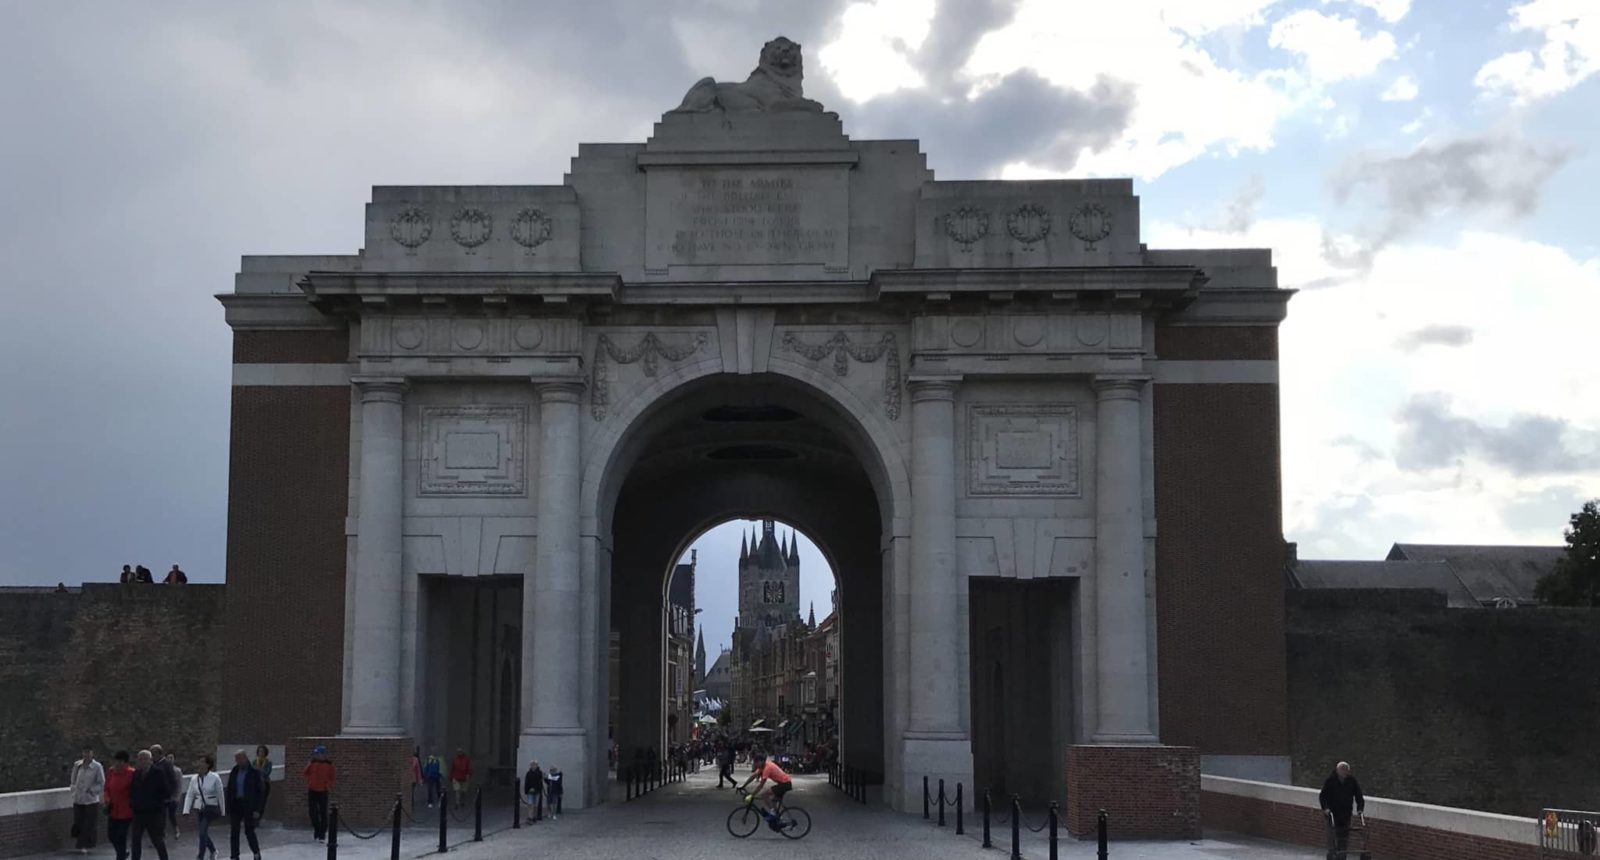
{"x": 551, "y": 594}
{"x": 1123, "y": 658}
{"x": 376, "y": 608}
{"x": 935, "y": 626}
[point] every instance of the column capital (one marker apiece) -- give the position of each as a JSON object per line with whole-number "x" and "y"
{"x": 928, "y": 387}
{"x": 1119, "y": 386}
{"x": 379, "y": 388}
{"x": 558, "y": 389}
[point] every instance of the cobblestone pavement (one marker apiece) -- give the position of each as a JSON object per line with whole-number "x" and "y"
{"x": 687, "y": 821}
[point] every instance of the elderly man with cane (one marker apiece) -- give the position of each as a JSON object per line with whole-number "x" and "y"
{"x": 1339, "y": 795}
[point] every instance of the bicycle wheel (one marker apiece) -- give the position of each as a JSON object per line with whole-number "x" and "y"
{"x": 794, "y": 822}
{"x": 743, "y": 821}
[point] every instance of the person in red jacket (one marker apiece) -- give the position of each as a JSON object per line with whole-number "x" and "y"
{"x": 460, "y": 773}
{"x": 119, "y": 812}
{"x": 319, "y": 781}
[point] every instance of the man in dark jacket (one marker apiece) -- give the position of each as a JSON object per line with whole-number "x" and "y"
{"x": 725, "y": 758}
{"x": 1340, "y": 794}
{"x": 247, "y": 793}
{"x": 147, "y": 796}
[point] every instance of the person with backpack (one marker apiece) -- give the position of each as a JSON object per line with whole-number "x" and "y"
{"x": 433, "y": 778}
{"x": 552, "y": 791}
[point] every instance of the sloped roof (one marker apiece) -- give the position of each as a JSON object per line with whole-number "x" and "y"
{"x": 1435, "y": 575}
{"x": 1488, "y": 572}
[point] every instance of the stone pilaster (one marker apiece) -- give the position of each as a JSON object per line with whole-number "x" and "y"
{"x": 552, "y": 599}
{"x": 1122, "y": 652}
{"x": 374, "y": 691}
{"x": 936, "y": 742}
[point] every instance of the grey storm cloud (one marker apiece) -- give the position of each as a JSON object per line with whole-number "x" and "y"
{"x": 1433, "y": 435}
{"x": 1493, "y": 173}
{"x": 1435, "y": 335}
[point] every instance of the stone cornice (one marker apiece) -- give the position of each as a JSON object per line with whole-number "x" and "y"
{"x": 267, "y": 311}
{"x": 350, "y": 290}
{"x": 1126, "y": 286}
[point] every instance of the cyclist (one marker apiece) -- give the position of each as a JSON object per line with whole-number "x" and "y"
{"x": 767, "y": 771}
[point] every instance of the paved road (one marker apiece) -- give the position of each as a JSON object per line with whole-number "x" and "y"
{"x": 686, "y": 821}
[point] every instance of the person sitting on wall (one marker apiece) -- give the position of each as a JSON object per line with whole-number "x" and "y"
{"x": 127, "y": 574}
{"x": 1339, "y": 794}
{"x": 175, "y": 576}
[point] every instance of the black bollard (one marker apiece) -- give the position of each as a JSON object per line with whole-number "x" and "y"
{"x": 1016, "y": 828}
{"x": 394, "y": 831}
{"x": 987, "y": 808}
{"x": 961, "y": 828}
{"x": 516, "y": 803}
{"x": 477, "y": 816}
{"x": 924, "y": 798}
{"x": 941, "y": 801}
{"x": 333, "y": 832}
{"x": 444, "y": 821}
{"x": 1100, "y": 828}
{"x": 1053, "y": 822}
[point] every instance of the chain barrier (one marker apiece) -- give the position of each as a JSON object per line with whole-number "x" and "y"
{"x": 335, "y": 820}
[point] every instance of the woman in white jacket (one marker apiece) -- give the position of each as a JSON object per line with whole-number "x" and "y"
{"x": 205, "y": 798}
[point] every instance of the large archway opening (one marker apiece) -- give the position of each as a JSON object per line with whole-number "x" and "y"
{"x": 759, "y": 447}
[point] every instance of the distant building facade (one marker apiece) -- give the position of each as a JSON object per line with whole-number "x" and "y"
{"x": 682, "y": 659}
{"x": 1469, "y": 576}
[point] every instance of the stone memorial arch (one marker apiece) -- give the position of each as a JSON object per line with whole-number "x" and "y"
{"x": 1042, "y": 457}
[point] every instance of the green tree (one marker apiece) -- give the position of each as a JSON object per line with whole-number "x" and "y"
{"x": 1576, "y": 579}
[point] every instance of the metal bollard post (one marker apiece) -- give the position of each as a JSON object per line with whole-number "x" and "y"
{"x": 477, "y": 816}
{"x": 516, "y": 803}
{"x": 1016, "y": 828}
{"x": 988, "y": 805}
{"x": 1054, "y": 812}
{"x": 394, "y": 836}
{"x": 333, "y": 832}
{"x": 444, "y": 821}
{"x": 941, "y": 801}
{"x": 961, "y": 828}
{"x": 924, "y": 798}
{"x": 1100, "y": 827}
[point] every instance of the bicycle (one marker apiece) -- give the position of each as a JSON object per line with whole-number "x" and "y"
{"x": 790, "y": 821}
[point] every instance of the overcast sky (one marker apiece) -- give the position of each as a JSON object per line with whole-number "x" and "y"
{"x": 1424, "y": 173}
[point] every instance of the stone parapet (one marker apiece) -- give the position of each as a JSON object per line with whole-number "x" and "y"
{"x": 1147, "y": 791}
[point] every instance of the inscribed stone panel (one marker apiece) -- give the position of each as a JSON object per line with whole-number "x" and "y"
{"x": 1022, "y": 449}
{"x": 473, "y": 450}
{"x": 747, "y": 216}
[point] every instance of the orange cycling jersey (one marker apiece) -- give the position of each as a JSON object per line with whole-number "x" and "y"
{"x": 773, "y": 773}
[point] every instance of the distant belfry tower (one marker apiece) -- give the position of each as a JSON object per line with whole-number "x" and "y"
{"x": 769, "y": 579}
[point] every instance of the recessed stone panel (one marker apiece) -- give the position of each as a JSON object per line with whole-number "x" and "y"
{"x": 1022, "y": 449}
{"x": 474, "y": 450}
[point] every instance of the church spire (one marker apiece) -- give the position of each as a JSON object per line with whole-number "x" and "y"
{"x": 744, "y": 547}
{"x": 794, "y": 549}
{"x": 812, "y": 621}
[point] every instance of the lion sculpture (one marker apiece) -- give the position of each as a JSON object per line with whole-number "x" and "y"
{"x": 773, "y": 86}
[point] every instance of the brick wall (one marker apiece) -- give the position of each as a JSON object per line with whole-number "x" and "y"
{"x": 1216, "y": 343}
{"x": 1476, "y": 708}
{"x": 287, "y": 488}
{"x": 1219, "y": 555}
{"x": 369, "y": 772}
{"x": 1148, "y": 792}
{"x": 1305, "y": 825}
{"x": 40, "y": 832}
{"x": 112, "y": 666}
{"x": 317, "y": 346}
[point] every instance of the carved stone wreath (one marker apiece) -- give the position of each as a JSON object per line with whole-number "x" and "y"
{"x": 531, "y": 228}
{"x": 648, "y": 351}
{"x": 410, "y": 228}
{"x": 966, "y": 225}
{"x": 1028, "y": 224}
{"x": 470, "y": 227}
{"x": 1090, "y": 223}
{"x": 843, "y": 349}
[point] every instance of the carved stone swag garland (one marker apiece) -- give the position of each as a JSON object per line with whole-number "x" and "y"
{"x": 843, "y": 349}
{"x": 649, "y": 351}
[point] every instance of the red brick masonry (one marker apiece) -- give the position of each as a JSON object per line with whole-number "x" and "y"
{"x": 1397, "y": 829}
{"x": 1148, "y": 792}
{"x": 369, "y": 772}
{"x": 40, "y": 832}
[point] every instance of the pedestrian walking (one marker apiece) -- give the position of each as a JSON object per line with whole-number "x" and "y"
{"x": 552, "y": 791}
{"x": 168, "y": 763}
{"x": 433, "y": 776}
{"x": 416, "y": 773}
{"x": 319, "y": 776}
{"x": 533, "y": 790}
{"x": 205, "y": 799}
{"x": 460, "y": 774}
{"x": 725, "y": 761}
{"x": 1341, "y": 795}
{"x": 148, "y": 794}
{"x": 88, "y": 782}
{"x": 263, "y": 763}
{"x": 247, "y": 795}
{"x": 119, "y": 814}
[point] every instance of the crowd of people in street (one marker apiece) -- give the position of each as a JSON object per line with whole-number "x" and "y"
{"x": 140, "y": 573}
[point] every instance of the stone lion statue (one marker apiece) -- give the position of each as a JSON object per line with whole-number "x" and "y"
{"x": 773, "y": 86}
